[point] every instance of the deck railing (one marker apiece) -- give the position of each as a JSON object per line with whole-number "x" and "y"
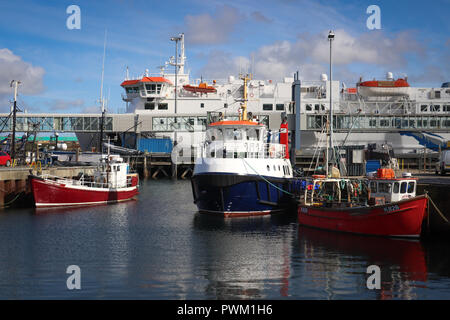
{"x": 243, "y": 150}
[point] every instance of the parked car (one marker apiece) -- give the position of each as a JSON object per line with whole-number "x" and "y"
{"x": 443, "y": 165}
{"x": 5, "y": 159}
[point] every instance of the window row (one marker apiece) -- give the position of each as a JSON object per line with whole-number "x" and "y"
{"x": 434, "y": 108}
{"x": 269, "y": 107}
{"x": 56, "y": 123}
{"x": 372, "y": 122}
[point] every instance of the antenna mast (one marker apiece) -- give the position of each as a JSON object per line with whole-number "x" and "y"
{"x": 102, "y": 101}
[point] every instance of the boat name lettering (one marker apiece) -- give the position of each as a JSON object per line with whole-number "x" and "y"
{"x": 391, "y": 208}
{"x": 304, "y": 210}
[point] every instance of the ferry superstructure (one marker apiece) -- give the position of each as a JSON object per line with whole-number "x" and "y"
{"x": 408, "y": 118}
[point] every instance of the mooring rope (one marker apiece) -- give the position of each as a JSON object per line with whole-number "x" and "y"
{"x": 9, "y": 202}
{"x": 437, "y": 209}
{"x": 275, "y": 186}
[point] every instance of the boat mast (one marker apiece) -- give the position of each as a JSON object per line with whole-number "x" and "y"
{"x": 102, "y": 101}
{"x": 244, "y": 117}
{"x": 330, "y": 118}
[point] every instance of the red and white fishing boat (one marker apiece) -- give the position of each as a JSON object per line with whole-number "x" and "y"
{"x": 110, "y": 183}
{"x": 388, "y": 207}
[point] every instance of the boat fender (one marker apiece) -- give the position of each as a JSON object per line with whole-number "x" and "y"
{"x": 272, "y": 151}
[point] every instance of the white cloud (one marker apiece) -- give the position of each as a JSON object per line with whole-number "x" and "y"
{"x": 310, "y": 54}
{"x": 12, "y": 67}
{"x": 212, "y": 29}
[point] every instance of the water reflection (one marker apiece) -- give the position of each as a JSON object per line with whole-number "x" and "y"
{"x": 334, "y": 260}
{"x": 245, "y": 257}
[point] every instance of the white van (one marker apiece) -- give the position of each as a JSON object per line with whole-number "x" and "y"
{"x": 443, "y": 165}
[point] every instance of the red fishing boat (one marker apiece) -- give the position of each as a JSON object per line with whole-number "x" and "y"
{"x": 110, "y": 183}
{"x": 382, "y": 205}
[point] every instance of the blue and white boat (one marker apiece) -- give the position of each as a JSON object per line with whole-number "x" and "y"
{"x": 239, "y": 172}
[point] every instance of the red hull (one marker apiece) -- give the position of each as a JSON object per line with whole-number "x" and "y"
{"x": 400, "y": 219}
{"x": 50, "y": 194}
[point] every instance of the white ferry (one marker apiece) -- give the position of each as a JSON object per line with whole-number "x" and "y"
{"x": 391, "y": 111}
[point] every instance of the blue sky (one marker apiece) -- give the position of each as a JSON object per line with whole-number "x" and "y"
{"x": 61, "y": 68}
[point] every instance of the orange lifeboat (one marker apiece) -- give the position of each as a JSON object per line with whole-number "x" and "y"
{"x": 201, "y": 88}
{"x": 399, "y": 87}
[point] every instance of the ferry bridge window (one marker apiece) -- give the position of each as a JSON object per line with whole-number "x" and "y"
{"x": 267, "y": 107}
{"x": 202, "y": 105}
{"x": 424, "y": 108}
{"x": 434, "y": 123}
{"x": 153, "y": 88}
{"x": 163, "y": 106}
{"x": 149, "y": 106}
{"x": 308, "y": 107}
{"x": 446, "y": 108}
{"x": 403, "y": 187}
{"x": 435, "y": 108}
{"x": 280, "y": 107}
{"x": 411, "y": 187}
{"x": 384, "y": 123}
{"x": 396, "y": 187}
{"x": 372, "y": 123}
{"x": 446, "y": 123}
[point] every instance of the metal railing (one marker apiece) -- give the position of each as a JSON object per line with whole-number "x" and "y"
{"x": 243, "y": 150}
{"x": 85, "y": 183}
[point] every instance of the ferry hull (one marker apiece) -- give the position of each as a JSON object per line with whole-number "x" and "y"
{"x": 52, "y": 194}
{"x": 400, "y": 219}
{"x": 231, "y": 195}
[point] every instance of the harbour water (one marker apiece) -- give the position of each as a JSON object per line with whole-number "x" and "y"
{"x": 158, "y": 247}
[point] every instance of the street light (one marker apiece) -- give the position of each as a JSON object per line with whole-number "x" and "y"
{"x": 330, "y": 39}
{"x": 14, "y": 83}
{"x": 176, "y": 39}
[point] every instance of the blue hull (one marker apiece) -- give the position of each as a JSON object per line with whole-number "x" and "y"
{"x": 234, "y": 195}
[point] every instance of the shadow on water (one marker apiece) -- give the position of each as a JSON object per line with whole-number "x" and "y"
{"x": 245, "y": 258}
{"x": 406, "y": 266}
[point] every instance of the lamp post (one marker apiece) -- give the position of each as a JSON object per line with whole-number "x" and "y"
{"x": 330, "y": 39}
{"x": 14, "y": 83}
{"x": 176, "y": 39}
